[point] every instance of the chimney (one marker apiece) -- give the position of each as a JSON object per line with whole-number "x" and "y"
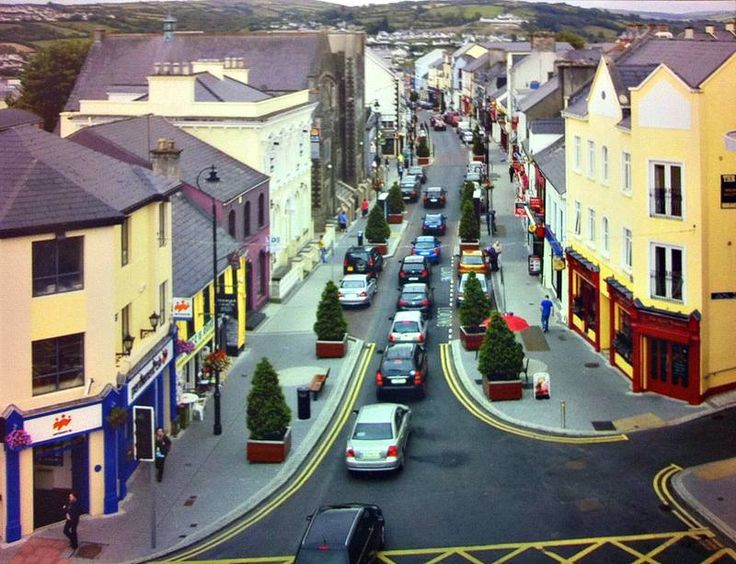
{"x": 689, "y": 32}
{"x": 165, "y": 159}
{"x": 98, "y": 35}
{"x": 169, "y": 27}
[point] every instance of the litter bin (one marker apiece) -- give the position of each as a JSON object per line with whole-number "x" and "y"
{"x": 304, "y": 406}
{"x": 360, "y": 238}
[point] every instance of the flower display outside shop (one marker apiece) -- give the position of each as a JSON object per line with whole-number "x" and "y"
{"x": 184, "y": 347}
{"x": 18, "y": 439}
{"x": 217, "y": 360}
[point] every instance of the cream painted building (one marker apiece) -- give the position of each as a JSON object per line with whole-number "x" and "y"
{"x": 86, "y": 323}
{"x": 650, "y": 211}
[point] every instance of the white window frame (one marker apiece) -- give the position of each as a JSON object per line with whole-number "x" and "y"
{"x": 669, "y": 282}
{"x": 626, "y": 187}
{"x": 577, "y": 154}
{"x": 669, "y": 209}
{"x": 605, "y": 247}
{"x": 578, "y": 219}
{"x": 591, "y": 227}
{"x": 627, "y": 249}
{"x": 604, "y": 165}
{"x": 591, "y": 158}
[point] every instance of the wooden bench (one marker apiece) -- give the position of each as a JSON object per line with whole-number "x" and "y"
{"x": 318, "y": 383}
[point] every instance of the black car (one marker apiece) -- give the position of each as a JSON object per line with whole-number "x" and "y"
{"x": 418, "y": 171}
{"x": 351, "y": 533}
{"x": 415, "y": 268}
{"x": 434, "y": 224}
{"x": 403, "y": 369}
{"x": 435, "y": 197}
{"x": 410, "y": 187}
{"x": 416, "y": 297}
{"x": 362, "y": 260}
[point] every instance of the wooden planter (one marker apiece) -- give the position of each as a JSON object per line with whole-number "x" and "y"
{"x": 331, "y": 349}
{"x": 471, "y": 341}
{"x": 422, "y": 160}
{"x": 269, "y": 451}
{"x": 470, "y": 245}
{"x": 395, "y": 218}
{"x": 380, "y": 247}
{"x": 502, "y": 390}
{"x": 479, "y": 158}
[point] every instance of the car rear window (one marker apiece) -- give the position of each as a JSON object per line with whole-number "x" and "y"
{"x": 406, "y": 327}
{"x": 413, "y": 267}
{"x": 473, "y": 259}
{"x": 372, "y": 431}
{"x": 424, "y": 244}
{"x": 358, "y": 255}
{"x": 352, "y": 284}
{"x": 398, "y": 352}
{"x": 412, "y": 295}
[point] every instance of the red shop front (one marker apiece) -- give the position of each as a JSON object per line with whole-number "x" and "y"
{"x": 584, "y": 291}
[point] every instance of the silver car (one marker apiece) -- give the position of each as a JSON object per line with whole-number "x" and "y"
{"x": 379, "y": 437}
{"x": 356, "y": 290}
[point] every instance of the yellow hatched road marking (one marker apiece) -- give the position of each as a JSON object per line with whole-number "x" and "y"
{"x": 301, "y": 478}
{"x": 721, "y": 555}
{"x": 462, "y": 396}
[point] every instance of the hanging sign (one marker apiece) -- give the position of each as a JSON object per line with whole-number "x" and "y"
{"x": 182, "y": 308}
{"x": 728, "y": 191}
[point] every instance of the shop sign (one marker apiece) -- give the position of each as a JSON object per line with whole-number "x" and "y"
{"x": 64, "y": 423}
{"x": 227, "y": 304}
{"x": 535, "y": 203}
{"x": 182, "y": 308}
{"x": 558, "y": 263}
{"x": 535, "y": 265}
{"x": 138, "y": 383}
{"x": 728, "y": 191}
{"x": 520, "y": 209}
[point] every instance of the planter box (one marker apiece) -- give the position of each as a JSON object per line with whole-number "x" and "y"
{"x": 423, "y": 160}
{"x": 469, "y": 245}
{"x": 479, "y": 158}
{"x": 269, "y": 451}
{"x": 380, "y": 247}
{"x": 395, "y": 218}
{"x": 332, "y": 349}
{"x": 502, "y": 390}
{"x": 471, "y": 341}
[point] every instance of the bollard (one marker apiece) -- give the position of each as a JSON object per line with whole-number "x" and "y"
{"x": 304, "y": 405}
{"x": 562, "y": 414}
{"x": 360, "y": 238}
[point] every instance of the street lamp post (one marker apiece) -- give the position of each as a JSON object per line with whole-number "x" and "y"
{"x": 213, "y": 178}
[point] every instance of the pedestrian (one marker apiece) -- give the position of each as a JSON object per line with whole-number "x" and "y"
{"x": 163, "y": 446}
{"x": 322, "y": 249}
{"x": 385, "y": 162}
{"x": 512, "y": 173}
{"x": 488, "y": 221}
{"x": 493, "y": 257}
{"x": 545, "y": 307}
{"x": 342, "y": 221}
{"x": 364, "y": 207}
{"x": 401, "y": 171}
{"x": 71, "y": 520}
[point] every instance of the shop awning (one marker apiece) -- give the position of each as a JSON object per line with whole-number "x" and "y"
{"x": 557, "y": 249}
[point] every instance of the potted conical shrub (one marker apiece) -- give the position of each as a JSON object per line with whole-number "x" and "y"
{"x": 469, "y": 227}
{"x": 396, "y": 205}
{"x": 377, "y": 230}
{"x": 473, "y": 311}
{"x": 500, "y": 361}
{"x": 422, "y": 151}
{"x": 330, "y": 326}
{"x": 267, "y": 417}
{"x": 478, "y": 148}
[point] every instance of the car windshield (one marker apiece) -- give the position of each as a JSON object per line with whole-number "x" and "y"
{"x": 372, "y": 431}
{"x": 406, "y": 327}
{"x": 472, "y": 259}
{"x": 352, "y": 284}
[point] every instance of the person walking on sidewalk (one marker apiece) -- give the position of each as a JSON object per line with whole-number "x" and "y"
{"x": 71, "y": 520}
{"x": 364, "y": 207}
{"x": 322, "y": 249}
{"x": 163, "y": 446}
{"x": 512, "y": 172}
{"x": 546, "y": 308}
{"x": 342, "y": 221}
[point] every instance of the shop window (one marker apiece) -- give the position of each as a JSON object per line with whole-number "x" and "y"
{"x": 58, "y": 363}
{"x": 584, "y": 303}
{"x": 667, "y": 279}
{"x": 668, "y": 362}
{"x": 665, "y": 193}
{"x": 622, "y": 341}
{"x": 57, "y": 266}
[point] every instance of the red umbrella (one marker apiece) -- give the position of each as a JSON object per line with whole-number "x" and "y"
{"x": 514, "y": 322}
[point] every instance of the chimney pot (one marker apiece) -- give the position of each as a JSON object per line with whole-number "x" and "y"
{"x": 165, "y": 159}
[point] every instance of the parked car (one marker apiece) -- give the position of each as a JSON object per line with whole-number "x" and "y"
{"x": 435, "y": 197}
{"x": 408, "y": 327}
{"x": 350, "y": 533}
{"x": 467, "y": 137}
{"x": 434, "y": 224}
{"x": 379, "y": 438}
{"x": 403, "y": 369}
{"x": 418, "y": 171}
{"x": 414, "y": 269}
{"x": 362, "y": 260}
{"x": 462, "y": 127}
{"x": 472, "y": 261}
{"x": 410, "y": 185}
{"x": 475, "y": 167}
{"x": 416, "y": 297}
{"x": 439, "y": 125}
{"x": 472, "y": 176}
{"x": 452, "y": 118}
{"x": 461, "y": 287}
{"x": 356, "y": 290}
{"x": 427, "y": 246}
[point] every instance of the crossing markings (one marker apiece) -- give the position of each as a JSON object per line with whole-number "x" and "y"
{"x": 446, "y": 273}
{"x": 300, "y": 479}
{"x": 462, "y": 396}
{"x": 444, "y": 317}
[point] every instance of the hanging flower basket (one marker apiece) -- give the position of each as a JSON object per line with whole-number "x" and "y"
{"x": 18, "y": 439}
{"x": 184, "y": 347}
{"x": 217, "y": 360}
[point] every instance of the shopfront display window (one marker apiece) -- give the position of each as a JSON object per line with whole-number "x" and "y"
{"x": 668, "y": 363}
{"x": 622, "y": 341}
{"x": 584, "y": 303}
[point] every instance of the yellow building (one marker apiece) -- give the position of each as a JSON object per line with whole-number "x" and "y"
{"x": 649, "y": 195}
{"x": 85, "y": 331}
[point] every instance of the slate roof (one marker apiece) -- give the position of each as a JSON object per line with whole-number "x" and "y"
{"x": 192, "y": 247}
{"x": 551, "y": 161}
{"x": 132, "y": 140}
{"x": 522, "y": 46}
{"x": 50, "y": 183}
{"x": 578, "y": 104}
{"x": 476, "y": 64}
{"x": 536, "y": 96}
{"x": 548, "y": 126}
{"x": 209, "y": 88}
{"x": 277, "y": 62}
{"x": 10, "y": 117}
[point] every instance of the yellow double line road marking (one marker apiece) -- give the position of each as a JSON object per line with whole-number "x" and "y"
{"x": 661, "y": 488}
{"x": 304, "y": 475}
{"x": 462, "y": 396}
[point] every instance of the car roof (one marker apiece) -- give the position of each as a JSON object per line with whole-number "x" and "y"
{"x": 434, "y": 188}
{"x": 378, "y": 412}
{"x": 363, "y": 249}
{"x": 413, "y": 258}
{"x": 415, "y": 287}
{"x": 355, "y": 277}
{"x": 407, "y": 316}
